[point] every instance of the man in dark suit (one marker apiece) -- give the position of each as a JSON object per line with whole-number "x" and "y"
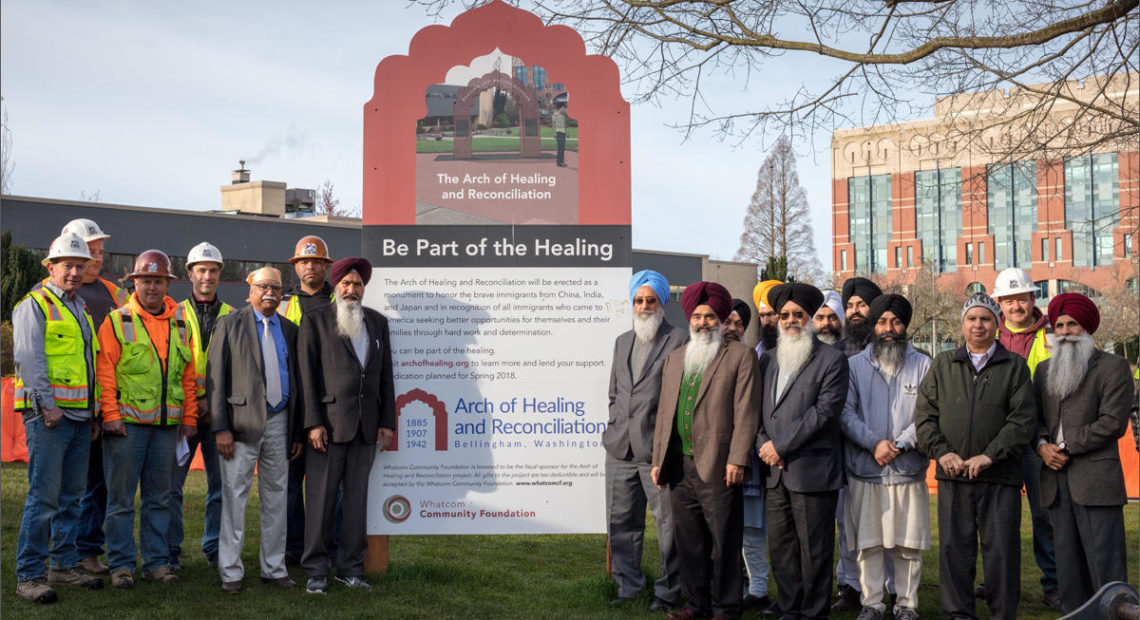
{"x": 1084, "y": 396}
{"x": 252, "y": 387}
{"x": 635, "y": 386}
{"x": 345, "y": 364}
{"x": 706, "y": 421}
{"x": 805, "y": 388}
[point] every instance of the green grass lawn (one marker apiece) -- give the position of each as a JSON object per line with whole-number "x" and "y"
{"x": 429, "y": 577}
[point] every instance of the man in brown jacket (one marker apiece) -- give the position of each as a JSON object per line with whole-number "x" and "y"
{"x": 706, "y": 421}
{"x": 1084, "y": 396}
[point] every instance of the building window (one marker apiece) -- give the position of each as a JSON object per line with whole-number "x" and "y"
{"x": 1127, "y": 246}
{"x": 1092, "y": 206}
{"x": 969, "y": 254}
{"x": 898, "y": 256}
{"x": 843, "y": 260}
{"x": 1057, "y": 247}
{"x": 1068, "y": 286}
{"x": 910, "y": 256}
{"x": 981, "y": 252}
{"x": 1011, "y": 206}
{"x": 869, "y": 213}
{"x": 1041, "y": 295}
{"x": 539, "y": 77}
{"x": 938, "y": 215}
{"x": 1045, "y": 249}
{"x": 520, "y": 73}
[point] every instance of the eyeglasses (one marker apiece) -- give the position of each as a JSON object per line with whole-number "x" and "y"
{"x": 276, "y": 288}
{"x": 799, "y": 315}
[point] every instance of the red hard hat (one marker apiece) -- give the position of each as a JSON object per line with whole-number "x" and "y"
{"x": 152, "y": 263}
{"x": 311, "y": 246}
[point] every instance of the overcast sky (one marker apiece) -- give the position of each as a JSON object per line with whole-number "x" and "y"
{"x": 154, "y": 103}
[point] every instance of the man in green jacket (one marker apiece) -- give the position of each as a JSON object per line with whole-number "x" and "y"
{"x": 975, "y": 413}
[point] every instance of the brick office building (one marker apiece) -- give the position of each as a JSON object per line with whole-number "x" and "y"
{"x": 907, "y": 193}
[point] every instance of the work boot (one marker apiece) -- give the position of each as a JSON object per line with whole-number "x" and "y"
{"x": 122, "y": 579}
{"x": 92, "y": 565}
{"x": 162, "y": 574}
{"x": 36, "y": 590}
{"x": 73, "y": 577}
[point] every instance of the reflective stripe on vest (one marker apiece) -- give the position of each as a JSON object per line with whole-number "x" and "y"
{"x": 196, "y": 335}
{"x": 66, "y": 353}
{"x": 118, "y": 294}
{"x": 139, "y": 374}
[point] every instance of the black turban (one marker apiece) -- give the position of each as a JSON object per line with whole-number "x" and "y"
{"x": 862, "y": 288}
{"x": 895, "y": 304}
{"x": 806, "y": 296}
{"x": 714, "y": 295}
{"x": 740, "y": 307}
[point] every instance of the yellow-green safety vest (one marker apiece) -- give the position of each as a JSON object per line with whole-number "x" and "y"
{"x": 196, "y": 334}
{"x": 1038, "y": 352}
{"x": 148, "y": 393}
{"x": 66, "y": 353}
{"x": 292, "y": 310}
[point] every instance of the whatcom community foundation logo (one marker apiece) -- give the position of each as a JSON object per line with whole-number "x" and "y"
{"x": 397, "y": 509}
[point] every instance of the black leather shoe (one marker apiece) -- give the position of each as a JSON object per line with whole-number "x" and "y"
{"x": 661, "y": 605}
{"x": 848, "y": 601}
{"x": 752, "y": 602}
{"x": 772, "y": 610}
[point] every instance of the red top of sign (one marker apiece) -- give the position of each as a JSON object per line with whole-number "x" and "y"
{"x": 398, "y": 102}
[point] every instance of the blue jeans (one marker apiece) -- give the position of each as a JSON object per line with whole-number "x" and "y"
{"x": 57, "y": 475}
{"x": 1043, "y": 551}
{"x": 143, "y": 460}
{"x": 175, "y": 533}
{"x": 93, "y": 506}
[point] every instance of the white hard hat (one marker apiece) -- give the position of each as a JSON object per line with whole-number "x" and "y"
{"x": 204, "y": 252}
{"x": 67, "y": 245}
{"x": 87, "y": 230}
{"x": 1013, "y": 281}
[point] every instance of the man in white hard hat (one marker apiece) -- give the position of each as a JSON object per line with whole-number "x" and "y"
{"x": 1022, "y": 328}
{"x": 202, "y": 310}
{"x": 101, "y": 296}
{"x": 53, "y": 345}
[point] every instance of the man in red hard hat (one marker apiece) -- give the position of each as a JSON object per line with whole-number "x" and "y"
{"x": 146, "y": 376}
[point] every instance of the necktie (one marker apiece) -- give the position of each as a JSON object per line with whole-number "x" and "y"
{"x": 272, "y": 372}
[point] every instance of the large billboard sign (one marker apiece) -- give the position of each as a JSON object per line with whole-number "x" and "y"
{"x": 497, "y": 215}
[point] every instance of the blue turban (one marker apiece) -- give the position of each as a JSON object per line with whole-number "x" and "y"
{"x": 652, "y": 279}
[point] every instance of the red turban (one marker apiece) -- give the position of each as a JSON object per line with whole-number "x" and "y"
{"x": 714, "y": 295}
{"x": 342, "y": 267}
{"x": 1081, "y": 308}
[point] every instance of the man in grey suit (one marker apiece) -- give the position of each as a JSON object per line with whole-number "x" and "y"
{"x": 252, "y": 386}
{"x": 345, "y": 364}
{"x": 706, "y": 421}
{"x": 805, "y": 389}
{"x": 1084, "y": 396}
{"x": 635, "y": 386}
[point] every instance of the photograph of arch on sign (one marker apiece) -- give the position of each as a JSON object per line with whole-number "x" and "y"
{"x": 498, "y": 145}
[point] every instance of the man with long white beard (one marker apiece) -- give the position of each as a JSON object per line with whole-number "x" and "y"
{"x": 345, "y": 365}
{"x": 974, "y": 414}
{"x": 1084, "y": 398}
{"x": 706, "y": 419}
{"x": 635, "y": 386}
{"x": 888, "y": 505}
{"x": 858, "y": 295}
{"x": 828, "y": 320}
{"x": 805, "y": 386}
